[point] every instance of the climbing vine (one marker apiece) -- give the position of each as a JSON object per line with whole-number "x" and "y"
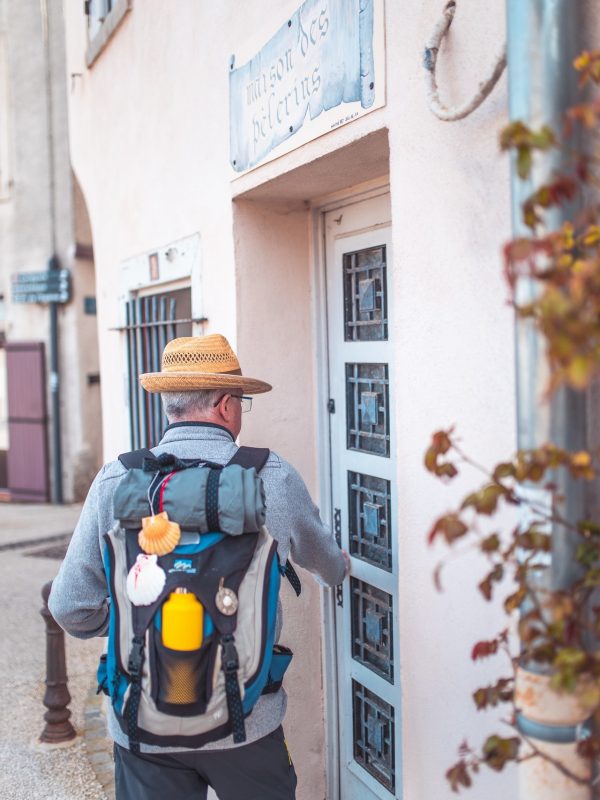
{"x": 557, "y": 629}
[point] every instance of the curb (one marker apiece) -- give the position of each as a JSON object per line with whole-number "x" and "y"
{"x": 97, "y": 744}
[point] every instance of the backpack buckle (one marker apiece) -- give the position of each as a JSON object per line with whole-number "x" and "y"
{"x": 229, "y": 655}
{"x": 136, "y": 657}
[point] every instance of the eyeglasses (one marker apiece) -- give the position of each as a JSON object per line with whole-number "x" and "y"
{"x": 245, "y": 402}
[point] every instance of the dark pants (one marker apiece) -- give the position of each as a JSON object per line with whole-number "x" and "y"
{"x": 261, "y": 770}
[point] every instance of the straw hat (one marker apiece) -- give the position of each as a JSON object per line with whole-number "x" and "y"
{"x": 200, "y": 362}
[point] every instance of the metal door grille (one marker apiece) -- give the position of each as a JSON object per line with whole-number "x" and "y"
{"x": 367, "y": 405}
{"x": 372, "y": 633}
{"x": 370, "y": 526}
{"x": 365, "y": 295}
{"x": 374, "y": 735}
{"x": 150, "y": 322}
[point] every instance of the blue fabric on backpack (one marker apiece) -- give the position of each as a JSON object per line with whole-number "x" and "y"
{"x": 254, "y": 690}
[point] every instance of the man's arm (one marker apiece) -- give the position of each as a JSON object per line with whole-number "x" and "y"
{"x": 312, "y": 545}
{"x": 78, "y": 600}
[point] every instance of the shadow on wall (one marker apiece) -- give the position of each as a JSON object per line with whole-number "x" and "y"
{"x": 85, "y": 467}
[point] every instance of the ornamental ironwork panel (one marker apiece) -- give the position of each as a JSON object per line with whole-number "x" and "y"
{"x": 365, "y": 295}
{"x": 370, "y": 519}
{"x": 367, "y": 408}
{"x": 372, "y": 626}
{"x": 373, "y": 721}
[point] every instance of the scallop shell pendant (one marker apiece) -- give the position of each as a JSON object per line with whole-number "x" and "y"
{"x": 226, "y": 600}
{"x": 159, "y": 535}
{"x": 145, "y": 580}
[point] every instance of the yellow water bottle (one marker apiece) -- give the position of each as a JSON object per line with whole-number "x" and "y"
{"x": 182, "y": 621}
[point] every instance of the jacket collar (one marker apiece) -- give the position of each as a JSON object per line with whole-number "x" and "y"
{"x": 177, "y": 431}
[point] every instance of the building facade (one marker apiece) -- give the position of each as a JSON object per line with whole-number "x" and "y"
{"x": 47, "y": 449}
{"x": 347, "y": 242}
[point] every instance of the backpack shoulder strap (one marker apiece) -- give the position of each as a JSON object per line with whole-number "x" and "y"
{"x": 251, "y": 457}
{"x": 135, "y": 459}
{"x": 257, "y": 457}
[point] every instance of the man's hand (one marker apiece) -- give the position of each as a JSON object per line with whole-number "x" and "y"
{"x": 348, "y": 561}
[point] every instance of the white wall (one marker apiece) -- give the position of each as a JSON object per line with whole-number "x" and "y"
{"x": 149, "y": 133}
{"x": 38, "y": 200}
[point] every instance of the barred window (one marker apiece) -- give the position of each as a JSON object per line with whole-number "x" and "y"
{"x": 151, "y": 322}
{"x": 104, "y": 17}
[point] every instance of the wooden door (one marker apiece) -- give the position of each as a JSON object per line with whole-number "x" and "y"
{"x": 27, "y": 422}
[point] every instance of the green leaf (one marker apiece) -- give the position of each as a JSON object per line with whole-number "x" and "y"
{"x": 571, "y": 657}
{"x": 592, "y": 578}
{"x": 524, "y": 162}
{"x": 446, "y": 470}
{"x": 587, "y": 553}
{"x": 579, "y": 371}
{"x": 491, "y": 543}
{"x": 533, "y": 539}
{"x": 513, "y": 601}
{"x": 544, "y": 139}
{"x": 504, "y": 470}
{"x": 564, "y": 681}
{"x": 485, "y": 501}
{"x": 497, "y": 752}
{"x": 588, "y": 527}
{"x": 451, "y": 527}
{"x": 500, "y": 692}
{"x": 486, "y": 585}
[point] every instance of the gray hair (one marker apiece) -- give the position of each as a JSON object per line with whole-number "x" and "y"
{"x": 182, "y": 404}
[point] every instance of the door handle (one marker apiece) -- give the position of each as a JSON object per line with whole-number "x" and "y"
{"x": 337, "y": 530}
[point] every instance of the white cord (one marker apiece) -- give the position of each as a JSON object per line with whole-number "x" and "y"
{"x": 151, "y": 499}
{"x": 429, "y": 62}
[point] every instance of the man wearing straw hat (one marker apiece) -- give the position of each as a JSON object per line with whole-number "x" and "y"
{"x": 204, "y": 394}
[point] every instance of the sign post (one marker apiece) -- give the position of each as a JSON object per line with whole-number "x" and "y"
{"x": 52, "y": 286}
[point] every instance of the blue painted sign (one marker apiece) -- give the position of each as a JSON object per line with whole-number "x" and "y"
{"x": 321, "y": 57}
{"x": 50, "y": 286}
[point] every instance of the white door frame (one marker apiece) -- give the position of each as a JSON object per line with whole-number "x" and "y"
{"x": 322, "y": 206}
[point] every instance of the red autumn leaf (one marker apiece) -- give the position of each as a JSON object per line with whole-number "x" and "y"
{"x": 484, "y": 649}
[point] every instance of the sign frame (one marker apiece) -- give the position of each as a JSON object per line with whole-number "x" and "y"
{"x": 324, "y": 67}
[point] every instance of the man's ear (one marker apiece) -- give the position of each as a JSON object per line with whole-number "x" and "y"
{"x": 225, "y": 408}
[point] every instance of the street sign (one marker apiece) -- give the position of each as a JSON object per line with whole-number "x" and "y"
{"x": 50, "y": 286}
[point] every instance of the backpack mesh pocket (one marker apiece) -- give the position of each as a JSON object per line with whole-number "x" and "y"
{"x": 181, "y": 679}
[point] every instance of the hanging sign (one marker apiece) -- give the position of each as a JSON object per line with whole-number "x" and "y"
{"x": 50, "y": 286}
{"x": 323, "y": 68}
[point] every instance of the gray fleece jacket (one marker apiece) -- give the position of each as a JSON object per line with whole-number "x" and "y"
{"x": 79, "y": 597}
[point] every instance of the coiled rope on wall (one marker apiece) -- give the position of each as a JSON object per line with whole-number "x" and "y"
{"x": 430, "y": 56}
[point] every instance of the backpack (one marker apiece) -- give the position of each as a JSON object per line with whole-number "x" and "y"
{"x": 227, "y": 561}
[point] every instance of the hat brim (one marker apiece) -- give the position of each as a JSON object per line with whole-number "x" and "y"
{"x": 196, "y": 381}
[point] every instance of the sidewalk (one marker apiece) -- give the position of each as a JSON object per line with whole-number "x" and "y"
{"x": 28, "y": 769}
{"x": 33, "y": 539}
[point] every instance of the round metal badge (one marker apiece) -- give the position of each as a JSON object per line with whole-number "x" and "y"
{"x": 226, "y": 600}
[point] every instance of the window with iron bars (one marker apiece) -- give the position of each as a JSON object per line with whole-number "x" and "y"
{"x": 97, "y": 11}
{"x": 151, "y": 322}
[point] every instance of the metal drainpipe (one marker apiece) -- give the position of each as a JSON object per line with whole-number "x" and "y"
{"x": 542, "y": 42}
{"x": 57, "y": 484}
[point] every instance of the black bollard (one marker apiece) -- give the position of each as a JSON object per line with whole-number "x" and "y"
{"x": 56, "y": 698}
